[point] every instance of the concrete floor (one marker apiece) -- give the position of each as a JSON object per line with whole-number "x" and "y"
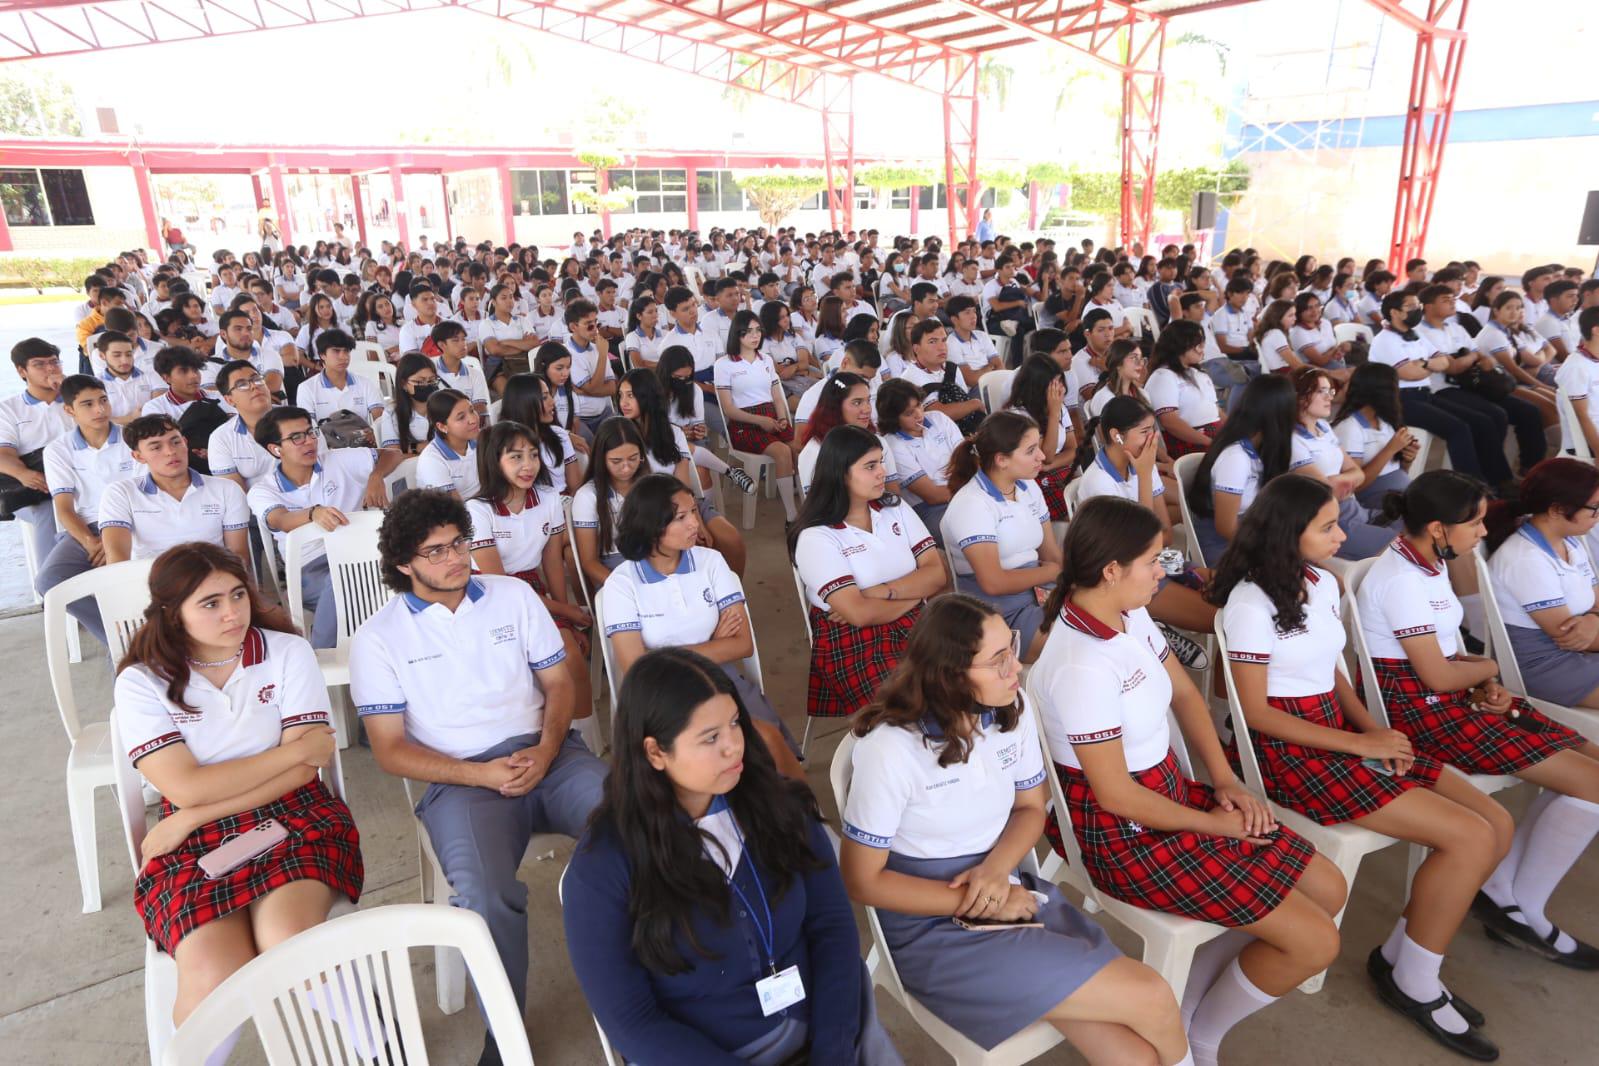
{"x": 70, "y": 983}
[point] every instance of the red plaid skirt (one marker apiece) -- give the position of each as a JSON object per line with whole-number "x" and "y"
{"x": 748, "y": 438}
{"x": 532, "y": 578}
{"x": 175, "y": 897}
{"x": 1054, "y": 482}
{"x": 1443, "y": 725}
{"x": 1328, "y": 787}
{"x": 1208, "y": 878}
{"x": 849, "y": 662}
{"x": 1179, "y": 448}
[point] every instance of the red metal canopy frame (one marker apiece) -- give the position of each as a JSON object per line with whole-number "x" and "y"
{"x": 809, "y": 52}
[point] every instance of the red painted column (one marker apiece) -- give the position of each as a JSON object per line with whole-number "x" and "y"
{"x": 141, "y": 175}
{"x": 1035, "y": 195}
{"x": 280, "y": 200}
{"x": 360, "y": 209}
{"x": 449, "y": 224}
{"x": 916, "y": 210}
{"x": 5, "y": 236}
{"x": 508, "y": 203}
{"x": 260, "y": 193}
{"x": 398, "y": 205}
{"x": 602, "y": 185}
{"x": 691, "y": 181}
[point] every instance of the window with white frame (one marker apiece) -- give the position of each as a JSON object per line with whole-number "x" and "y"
{"x": 45, "y": 197}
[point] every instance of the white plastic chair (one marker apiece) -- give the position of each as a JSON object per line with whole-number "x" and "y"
{"x": 597, "y": 664}
{"x": 160, "y": 972}
{"x": 355, "y": 572}
{"x": 122, "y": 592}
{"x": 1170, "y": 940}
{"x": 381, "y": 373}
{"x": 1572, "y": 438}
{"x": 1142, "y": 321}
{"x": 1349, "y": 332}
{"x": 1071, "y": 495}
{"x": 367, "y": 352}
{"x": 757, "y": 465}
{"x": 1185, "y": 469}
{"x": 271, "y": 564}
{"x": 1025, "y": 1046}
{"x": 1428, "y": 453}
{"x": 372, "y": 950}
{"x": 994, "y": 387}
{"x": 400, "y": 478}
{"x": 611, "y": 1057}
{"x": 30, "y": 563}
{"x": 480, "y": 382}
{"x": 1343, "y": 845}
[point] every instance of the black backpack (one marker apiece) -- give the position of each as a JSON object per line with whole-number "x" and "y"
{"x": 197, "y": 423}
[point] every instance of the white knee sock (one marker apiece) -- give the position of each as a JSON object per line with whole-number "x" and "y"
{"x": 709, "y": 460}
{"x": 1186, "y": 1060}
{"x": 1558, "y": 838}
{"x": 1230, "y": 1000}
{"x": 219, "y": 1054}
{"x": 1501, "y": 887}
{"x": 785, "y": 489}
{"x": 1416, "y": 974}
{"x": 1209, "y": 961}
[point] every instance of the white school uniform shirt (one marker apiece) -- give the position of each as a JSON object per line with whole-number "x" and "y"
{"x": 28, "y": 423}
{"x": 543, "y": 326}
{"x": 830, "y": 558}
{"x": 1237, "y": 471}
{"x": 781, "y": 351}
{"x": 344, "y": 313}
{"x": 1396, "y": 350}
{"x": 805, "y": 463}
{"x": 1300, "y": 662}
{"x": 131, "y": 393}
{"x": 439, "y": 467}
{"x": 671, "y": 610}
{"x": 1102, "y": 396}
{"x": 1081, "y": 374}
{"x": 699, "y": 344}
{"x": 338, "y": 480}
{"x": 974, "y": 352}
{"x": 1319, "y": 449}
{"x": 980, "y": 514}
{"x": 210, "y": 507}
{"x": 1129, "y": 297}
{"x": 1101, "y": 478}
{"x": 276, "y": 686}
{"x": 462, "y": 381}
{"x": 232, "y": 449}
{"x": 1405, "y": 596}
{"x": 1493, "y": 339}
{"x": 1577, "y": 377}
{"x": 1528, "y": 576}
{"x": 828, "y": 349}
{"x": 927, "y": 455}
{"x": 389, "y": 427}
{"x": 716, "y": 327}
{"x": 1232, "y": 326}
{"x": 1114, "y": 309}
{"x": 901, "y": 799}
{"x": 1362, "y": 440}
{"x": 385, "y": 337}
{"x": 1193, "y": 396}
{"x": 73, "y": 467}
{"x": 748, "y": 383}
{"x": 1339, "y": 311}
{"x": 645, "y": 348}
{"x": 585, "y": 364}
{"x": 323, "y": 399}
{"x": 696, "y": 417}
{"x": 1448, "y": 338}
{"x": 556, "y": 464}
{"x": 222, "y": 296}
{"x": 463, "y": 679}
{"x": 489, "y": 328}
{"x": 1321, "y": 338}
{"x": 1536, "y": 309}
{"x": 1271, "y": 346}
{"x": 586, "y": 511}
{"x": 166, "y": 402}
{"x": 520, "y": 538}
{"x": 1551, "y": 326}
{"x": 1095, "y": 684}
{"x": 413, "y": 335}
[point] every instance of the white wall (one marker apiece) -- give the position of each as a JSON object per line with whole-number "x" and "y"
{"x": 118, "y": 221}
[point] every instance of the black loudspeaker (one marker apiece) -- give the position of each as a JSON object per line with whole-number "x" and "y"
{"x": 1589, "y": 233}
{"x": 1204, "y": 210}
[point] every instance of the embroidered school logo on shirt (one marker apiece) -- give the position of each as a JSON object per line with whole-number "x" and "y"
{"x": 502, "y": 634}
{"x": 706, "y": 594}
{"x": 211, "y": 509}
{"x": 266, "y": 693}
{"x": 1132, "y": 682}
{"x": 895, "y": 528}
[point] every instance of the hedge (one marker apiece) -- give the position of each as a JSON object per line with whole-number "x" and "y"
{"x": 40, "y": 274}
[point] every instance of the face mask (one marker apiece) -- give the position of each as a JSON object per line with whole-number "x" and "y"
{"x": 420, "y": 393}
{"x": 1413, "y": 319}
{"x": 899, "y": 268}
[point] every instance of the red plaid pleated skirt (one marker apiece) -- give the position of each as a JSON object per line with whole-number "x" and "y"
{"x": 1208, "y": 878}
{"x": 1328, "y": 787}
{"x": 1443, "y": 725}
{"x": 748, "y": 438}
{"x": 175, "y": 897}
{"x": 1179, "y": 448}
{"x": 533, "y": 579}
{"x": 1054, "y": 482}
{"x": 849, "y": 662}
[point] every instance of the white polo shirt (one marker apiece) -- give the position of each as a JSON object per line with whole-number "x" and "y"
{"x": 1232, "y": 326}
{"x": 1403, "y": 596}
{"x": 520, "y": 538}
{"x": 490, "y": 328}
{"x": 232, "y": 450}
{"x": 323, "y": 399}
{"x": 72, "y": 466}
{"x": 129, "y": 394}
{"x": 585, "y": 509}
{"x": 276, "y": 686}
{"x": 1577, "y": 377}
{"x": 927, "y": 380}
{"x": 166, "y": 402}
{"x": 462, "y": 381}
{"x": 584, "y": 366}
{"x": 338, "y": 480}
{"x": 1095, "y": 685}
{"x": 716, "y": 327}
{"x": 980, "y": 514}
{"x": 1271, "y": 347}
{"x": 439, "y": 467}
{"x": 975, "y": 352}
{"x": 925, "y": 456}
{"x": 1321, "y": 338}
{"x": 646, "y": 349}
{"x": 1395, "y": 350}
{"x": 1362, "y": 440}
{"x": 414, "y": 335}
{"x": 389, "y": 427}
{"x": 1193, "y": 396}
{"x": 748, "y": 383}
{"x": 1237, "y": 471}
{"x": 210, "y": 507}
{"x": 1300, "y": 662}
{"x": 463, "y": 678}
{"x": 668, "y": 610}
{"x": 805, "y": 464}
{"x": 901, "y": 799}
{"x": 1101, "y": 478}
{"x": 28, "y": 424}
{"x": 1081, "y": 374}
{"x": 1118, "y": 315}
{"x": 1494, "y": 339}
{"x": 1551, "y": 326}
{"x": 1319, "y": 449}
{"x": 556, "y": 464}
{"x": 1449, "y": 338}
{"x": 698, "y": 343}
{"x": 830, "y": 558}
{"x": 1528, "y": 576}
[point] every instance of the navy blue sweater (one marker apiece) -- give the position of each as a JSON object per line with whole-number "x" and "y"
{"x": 699, "y": 1017}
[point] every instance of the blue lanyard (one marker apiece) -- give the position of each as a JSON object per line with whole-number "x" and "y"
{"x": 768, "y": 935}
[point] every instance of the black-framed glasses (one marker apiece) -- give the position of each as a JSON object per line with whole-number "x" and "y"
{"x": 299, "y": 438}
{"x": 438, "y": 552}
{"x": 247, "y": 383}
{"x": 1591, "y": 508}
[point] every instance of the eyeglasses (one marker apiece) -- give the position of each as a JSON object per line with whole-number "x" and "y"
{"x": 301, "y": 437}
{"x": 1591, "y": 508}
{"x": 247, "y": 383}
{"x": 438, "y": 552}
{"x": 1325, "y": 392}
{"x": 44, "y": 364}
{"x": 1007, "y": 661}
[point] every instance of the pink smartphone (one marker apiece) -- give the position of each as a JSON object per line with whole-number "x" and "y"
{"x": 226, "y": 858}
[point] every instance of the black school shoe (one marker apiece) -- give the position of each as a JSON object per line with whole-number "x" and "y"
{"x": 1512, "y": 933}
{"x": 1380, "y": 969}
{"x": 1471, "y": 1044}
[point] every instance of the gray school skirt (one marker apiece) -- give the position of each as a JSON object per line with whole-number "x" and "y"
{"x": 1021, "y": 610}
{"x": 1371, "y": 496}
{"x": 1211, "y": 543}
{"x": 785, "y": 1043}
{"x": 1549, "y": 671}
{"x": 1364, "y": 538}
{"x": 992, "y": 985}
{"x": 756, "y": 703}
{"x": 932, "y": 516}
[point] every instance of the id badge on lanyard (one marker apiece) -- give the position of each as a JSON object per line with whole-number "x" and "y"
{"x": 780, "y": 989}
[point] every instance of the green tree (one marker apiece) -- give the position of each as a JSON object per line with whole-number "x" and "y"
{"x": 777, "y": 193}
{"x": 38, "y": 105}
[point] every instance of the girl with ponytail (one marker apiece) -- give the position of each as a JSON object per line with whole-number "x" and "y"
{"x": 1039, "y": 390}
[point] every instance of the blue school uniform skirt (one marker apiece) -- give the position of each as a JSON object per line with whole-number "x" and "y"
{"x": 1021, "y": 610}
{"x": 992, "y": 985}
